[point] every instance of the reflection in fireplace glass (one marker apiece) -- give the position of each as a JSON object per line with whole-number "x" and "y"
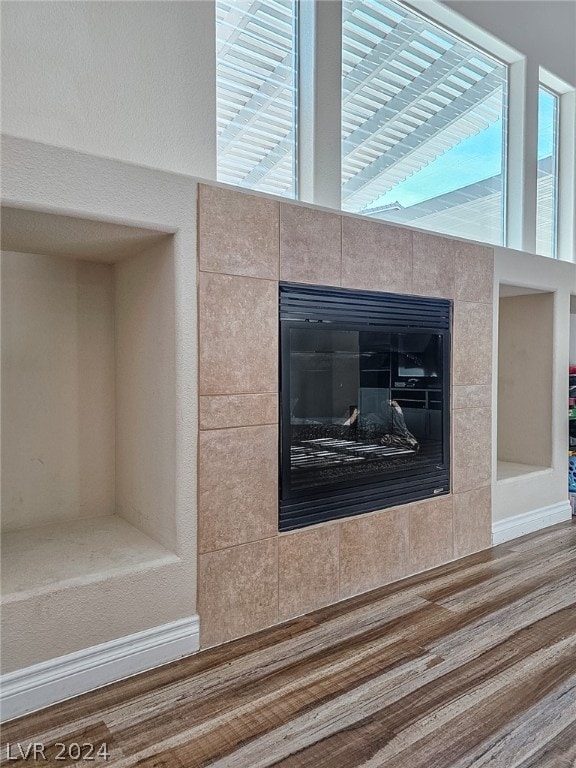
{"x": 362, "y": 403}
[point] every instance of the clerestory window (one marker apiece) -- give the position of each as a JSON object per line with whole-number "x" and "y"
{"x": 423, "y": 124}
{"x": 547, "y": 183}
{"x": 256, "y": 85}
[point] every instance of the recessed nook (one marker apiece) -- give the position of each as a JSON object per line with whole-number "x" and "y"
{"x": 88, "y": 400}
{"x": 525, "y": 344}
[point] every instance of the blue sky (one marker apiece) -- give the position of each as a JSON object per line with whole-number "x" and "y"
{"x": 476, "y": 158}
{"x": 546, "y": 120}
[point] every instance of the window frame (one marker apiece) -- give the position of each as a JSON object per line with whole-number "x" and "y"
{"x": 555, "y": 163}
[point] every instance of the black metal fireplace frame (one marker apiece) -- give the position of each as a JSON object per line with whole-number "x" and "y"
{"x": 345, "y": 309}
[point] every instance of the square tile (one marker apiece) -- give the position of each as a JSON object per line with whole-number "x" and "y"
{"x": 310, "y": 245}
{"x": 237, "y": 486}
{"x": 471, "y": 449}
{"x": 376, "y": 256}
{"x": 238, "y": 233}
{"x": 237, "y": 591}
{"x": 238, "y": 328}
{"x": 472, "y": 521}
{"x": 221, "y": 411}
{"x": 433, "y": 266}
{"x": 473, "y": 272}
{"x": 472, "y": 343}
{"x": 431, "y": 534}
{"x": 472, "y": 396}
{"x": 373, "y": 550}
{"x": 308, "y": 570}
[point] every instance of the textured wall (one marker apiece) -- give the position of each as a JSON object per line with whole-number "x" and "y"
{"x": 545, "y": 34}
{"x": 250, "y": 576}
{"x": 133, "y": 81}
{"x": 525, "y": 354}
{"x": 145, "y": 392}
{"x": 58, "y": 391}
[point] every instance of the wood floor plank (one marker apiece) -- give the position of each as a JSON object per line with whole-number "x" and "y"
{"x": 472, "y": 665}
{"x": 83, "y": 709}
{"x": 474, "y": 588}
{"x": 521, "y": 739}
{"x": 272, "y": 666}
{"x": 386, "y": 709}
{"x": 464, "y": 724}
{"x": 508, "y": 586}
{"x": 274, "y": 699}
{"x": 559, "y": 752}
{"x": 498, "y": 617}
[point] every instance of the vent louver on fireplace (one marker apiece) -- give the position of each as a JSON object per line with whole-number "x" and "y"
{"x": 365, "y": 390}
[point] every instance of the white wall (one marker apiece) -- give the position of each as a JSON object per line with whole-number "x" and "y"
{"x": 573, "y": 339}
{"x": 543, "y": 30}
{"x": 128, "y": 80}
{"x": 57, "y": 390}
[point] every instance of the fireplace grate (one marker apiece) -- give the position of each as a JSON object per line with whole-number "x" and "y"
{"x": 309, "y": 303}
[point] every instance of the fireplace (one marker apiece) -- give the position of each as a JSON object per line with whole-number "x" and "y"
{"x": 364, "y": 416}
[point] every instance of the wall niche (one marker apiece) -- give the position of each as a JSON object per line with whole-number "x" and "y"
{"x": 525, "y": 359}
{"x": 88, "y": 399}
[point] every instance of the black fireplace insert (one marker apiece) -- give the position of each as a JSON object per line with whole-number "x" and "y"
{"x": 364, "y": 415}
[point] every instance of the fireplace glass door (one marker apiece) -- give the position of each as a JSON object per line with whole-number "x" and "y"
{"x": 364, "y": 417}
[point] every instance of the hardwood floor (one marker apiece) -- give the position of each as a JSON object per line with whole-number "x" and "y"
{"x": 472, "y": 664}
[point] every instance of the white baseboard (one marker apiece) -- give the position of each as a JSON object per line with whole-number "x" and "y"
{"x": 528, "y": 522}
{"x": 32, "y": 688}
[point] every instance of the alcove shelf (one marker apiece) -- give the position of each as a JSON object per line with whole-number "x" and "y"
{"x": 88, "y": 400}
{"x": 57, "y": 556}
{"x": 509, "y": 470}
{"x": 525, "y": 376}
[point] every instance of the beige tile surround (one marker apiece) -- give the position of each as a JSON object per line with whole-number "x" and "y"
{"x": 250, "y": 576}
